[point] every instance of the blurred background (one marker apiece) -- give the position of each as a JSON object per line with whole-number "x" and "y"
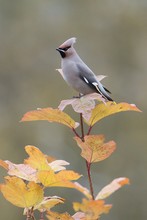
{"x": 112, "y": 40}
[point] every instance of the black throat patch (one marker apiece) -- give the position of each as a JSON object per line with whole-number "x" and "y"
{"x": 62, "y": 53}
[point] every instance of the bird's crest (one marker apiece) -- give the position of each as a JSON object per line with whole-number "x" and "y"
{"x": 68, "y": 43}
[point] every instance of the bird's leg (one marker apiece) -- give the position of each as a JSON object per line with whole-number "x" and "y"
{"x": 79, "y": 96}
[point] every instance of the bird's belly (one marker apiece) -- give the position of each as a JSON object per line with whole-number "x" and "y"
{"x": 77, "y": 84}
{"x": 71, "y": 76}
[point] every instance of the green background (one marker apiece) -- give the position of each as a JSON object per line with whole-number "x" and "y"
{"x": 112, "y": 40}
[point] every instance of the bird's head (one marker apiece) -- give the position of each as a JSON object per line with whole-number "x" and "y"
{"x": 66, "y": 49}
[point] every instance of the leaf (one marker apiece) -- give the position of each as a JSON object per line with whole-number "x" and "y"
{"x": 51, "y": 115}
{"x": 40, "y": 161}
{"x": 50, "y": 158}
{"x": 22, "y": 171}
{"x": 48, "y": 202}
{"x": 92, "y": 208}
{"x": 83, "y": 105}
{"x": 4, "y": 164}
{"x": 37, "y": 159}
{"x": 20, "y": 194}
{"x": 62, "y": 179}
{"x": 60, "y": 71}
{"x": 68, "y": 175}
{"x": 58, "y": 216}
{"x": 100, "y": 77}
{"x": 103, "y": 110}
{"x": 58, "y": 165}
{"x": 94, "y": 149}
{"x": 112, "y": 187}
{"x": 79, "y": 216}
{"x": 83, "y": 190}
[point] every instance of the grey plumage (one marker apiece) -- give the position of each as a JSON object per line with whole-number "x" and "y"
{"x": 77, "y": 74}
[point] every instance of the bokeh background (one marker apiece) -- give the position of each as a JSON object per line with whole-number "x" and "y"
{"x": 112, "y": 40}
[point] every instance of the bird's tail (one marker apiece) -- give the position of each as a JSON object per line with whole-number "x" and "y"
{"x": 104, "y": 92}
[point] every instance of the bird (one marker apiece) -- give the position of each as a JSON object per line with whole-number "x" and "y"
{"x": 77, "y": 74}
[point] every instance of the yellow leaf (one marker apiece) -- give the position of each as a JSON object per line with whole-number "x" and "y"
{"x": 62, "y": 179}
{"x": 20, "y": 194}
{"x": 48, "y": 202}
{"x": 92, "y": 208}
{"x": 103, "y": 110}
{"x": 40, "y": 161}
{"x": 94, "y": 149}
{"x": 112, "y": 187}
{"x": 47, "y": 178}
{"x": 51, "y": 115}
{"x": 58, "y": 216}
{"x": 68, "y": 175}
{"x": 37, "y": 159}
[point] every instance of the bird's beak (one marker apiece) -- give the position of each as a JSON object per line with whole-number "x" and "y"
{"x": 59, "y": 50}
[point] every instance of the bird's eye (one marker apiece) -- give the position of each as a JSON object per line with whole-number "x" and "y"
{"x": 66, "y": 48}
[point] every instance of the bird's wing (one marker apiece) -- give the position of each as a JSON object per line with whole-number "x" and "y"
{"x": 90, "y": 79}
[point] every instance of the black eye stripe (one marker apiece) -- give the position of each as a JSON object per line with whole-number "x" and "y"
{"x": 65, "y": 49}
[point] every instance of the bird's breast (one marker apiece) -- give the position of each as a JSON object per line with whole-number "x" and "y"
{"x": 70, "y": 72}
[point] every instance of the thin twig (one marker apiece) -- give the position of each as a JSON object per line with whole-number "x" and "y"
{"x": 88, "y": 165}
{"x": 30, "y": 214}
{"x": 82, "y": 127}
{"x": 41, "y": 216}
{"x": 75, "y": 133}
{"x": 89, "y": 130}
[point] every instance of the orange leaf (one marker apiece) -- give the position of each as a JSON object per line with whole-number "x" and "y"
{"x": 51, "y": 115}
{"x": 112, "y": 187}
{"x": 103, "y": 110}
{"x": 4, "y": 164}
{"x": 92, "y": 208}
{"x": 94, "y": 149}
{"x": 50, "y": 158}
{"x": 60, "y": 216}
{"x": 20, "y": 194}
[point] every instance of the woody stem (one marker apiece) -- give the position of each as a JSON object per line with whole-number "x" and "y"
{"x": 88, "y": 165}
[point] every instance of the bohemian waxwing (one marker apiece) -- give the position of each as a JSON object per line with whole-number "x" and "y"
{"x": 77, "y": 74}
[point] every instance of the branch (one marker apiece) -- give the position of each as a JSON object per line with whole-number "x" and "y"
{"x": 82, "y": 127}
{"x": 88, "y": 165}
